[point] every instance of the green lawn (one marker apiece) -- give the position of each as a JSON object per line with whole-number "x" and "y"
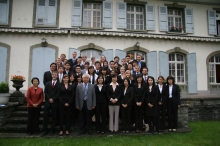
{"x": 203, "y": 134}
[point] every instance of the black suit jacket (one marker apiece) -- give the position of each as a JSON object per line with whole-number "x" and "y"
{"x": 72, "y": 63}
{"x": 65, "y": 95}
{"x": 51, "y": 93}
{"x": 143, "y": 64}
{"x": 114, "y": 94}
{"x": 64, "y": 72}
{"x": 74, "y": 68}
{"x": 175, "y": 94}
{"x": 101, "y": 96}
{"x": 139, "y": 94}
{"x": 162, "y": 97}
{"x": 152, "y": 98}
{"x": 135, "y": 75}
{"x": 127, "y": 98}
{"x": 47, "y": 77}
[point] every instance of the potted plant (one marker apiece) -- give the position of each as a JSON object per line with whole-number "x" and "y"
{"x": 175, "y": 29}
{"x": 17, "y": 82}
{"x": 4, "y": 93}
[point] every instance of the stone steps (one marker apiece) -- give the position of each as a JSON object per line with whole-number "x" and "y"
{"x": 24, "y": 108}
{"x": 17, "y": 119}
{"x": 24, "y": 113}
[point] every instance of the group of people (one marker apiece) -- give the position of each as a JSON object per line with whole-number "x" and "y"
{"x": 108, "y": 91}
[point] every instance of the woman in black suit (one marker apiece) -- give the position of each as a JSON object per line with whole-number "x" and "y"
{"x": 126, "y": 102}
{"x": 162, "y": 95}
{"x": 151, "y": 111}
{"x": 130, "y": 77}
{"x": 105, "y": 76}
{"x": 66, "y": 95}
{"x": 101, "y": 105}
{"x": 139, "y": 98}
{"x": 173, "y": 103}
{"x": 114, "y": 96}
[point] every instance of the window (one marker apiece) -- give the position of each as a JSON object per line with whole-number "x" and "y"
{"x": 135, "y": 17}
{"x": 177, "y": 67}
{"x": 214, "y": 69}
{"x": 133, "y": 55}
{"x": 46, "y": 13}
{"x": 175, "y": 20}
{"x": 92, "y": 15}
{"x": 91, "y": 53}
{"x": 4, "y": 12}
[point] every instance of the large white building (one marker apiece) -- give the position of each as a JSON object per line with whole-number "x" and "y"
{"x": 176, "y": 37}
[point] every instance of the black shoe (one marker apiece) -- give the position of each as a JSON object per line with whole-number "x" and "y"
{"x": 90, "y": 133}
{"x": 44, "y": 133}
{"x": 81, "y": 133}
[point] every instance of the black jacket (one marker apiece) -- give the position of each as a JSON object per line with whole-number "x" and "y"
{"x": 101, "y": 96}
{"x": 152, "y": 98}
{"x": 51, "y": 92}
{"x": 175, "y": 94}
{"x": 139, "y": 94}
{"x": 162, "y": 97}
{"x": 66, "y": 95}
{"x": 127, "y": 98}
{"x": 114, "y": 94}
{"x": 47, "y": 77}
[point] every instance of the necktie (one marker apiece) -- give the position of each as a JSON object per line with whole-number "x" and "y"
{"x": 85, "y": 92}
{"x": 53, "y": 84}
{"x": 60, "y": 79}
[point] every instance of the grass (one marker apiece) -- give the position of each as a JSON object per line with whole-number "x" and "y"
{"x": 203, "y": 134}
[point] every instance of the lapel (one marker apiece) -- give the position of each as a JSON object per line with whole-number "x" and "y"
{"x": 173, "y": 90}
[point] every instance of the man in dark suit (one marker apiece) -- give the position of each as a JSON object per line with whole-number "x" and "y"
{"x": 111, "y": 67}
{"x": 116, "y": 59}
{"x": 140, "y": 63}
{"x": 123, "y": 64}
{"x": 51, "y": 103}
{"x": 60, "y": 74}
{"x": 48, "y": 74}
{"x": 78, "y": 70}
{"x": 85, "y": 102}
{"x": 145, "y": 74}
{"x": 98, "y": 68}
{"x": 136, "y": 72}
{"x": 67, "y": 68}
{"x": 73, "y": 60}
{"x": 79, "y": 60}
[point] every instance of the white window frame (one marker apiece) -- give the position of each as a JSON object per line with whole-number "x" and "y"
{"x": 135, "y": 17}
{"x": 213, "y": 65}
{"x": 92, "y": 13}
{"x": 91, "y": 54}
{"x": 175, "y": 62}
{"x": 143, "y": 54}
{"x": 174, "y": 21}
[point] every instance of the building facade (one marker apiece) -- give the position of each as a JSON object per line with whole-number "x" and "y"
{"x": 180, "y": 38}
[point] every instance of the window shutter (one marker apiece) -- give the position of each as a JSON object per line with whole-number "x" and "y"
{"x": 4, "y": 10}
{"x": 71, "y": 50}
{"x": 121, "y": 15}
{"x": 120, "y": 53}
{"x": 150, "y": 17}
{"x": 3, "y": 63}
{"x": 77, "y": 13}
{"x": 164, "y": 64}
{"x": 51, "y": 12}
{"x": 189, "y": 20}
{"x": 152, "y": 63}
{"x": 108, "y": 54}
{"x": 212, "y": 22}
{"x": 41, "y": 12}
{"x": 107, "y": 15}
{"x": 163, "y": 18}
{"x": 192, "y": 73}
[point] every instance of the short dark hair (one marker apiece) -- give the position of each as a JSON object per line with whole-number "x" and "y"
{"x": 60, "y": 67}
{"x": 66, "y": 75}
{"x": 114, "y": 75}
{"x": 55, "y": 72}
{"x": 78, "y": 66}
{"x": 135, "y": 61}
{"x": 170, "y": 78}
{"x": 111, "y": 61}
{"x": 116, "y": 57}
{"x": 97, "y": 62}
{"x": 86, "y": 63}
{"x": 79, "y": 57}
{"x": 160, "y": 77}
{"x": 67, "y": 63}
{"x": 100, "y": 76}
{"x": 35, "y": 78}
{"x": 53, "y": 64}
{"x": 127, "y": 56}
{"x": 145, "y": 68}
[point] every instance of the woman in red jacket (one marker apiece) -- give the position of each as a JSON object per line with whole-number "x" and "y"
{"x": 34, "y": 99}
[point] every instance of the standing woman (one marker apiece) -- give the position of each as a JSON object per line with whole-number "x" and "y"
{"x": 34, "y": 98}
{"x": 66, "y": 95}
{"x": 114, "y": 95}
{"x": 151, "y": 104}
{"x": 162, "y": 95}
{"x": 105, "y": 76}
{"x": 126, "y": 102}
{"x": 173, "y": 103}
{"x": 101, "y": 105}
{"x": 139, "y": 98}
{"x": 92, "y": 74}
{"x": 72, "y": 78}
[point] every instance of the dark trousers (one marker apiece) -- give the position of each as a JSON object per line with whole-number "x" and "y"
{"x": 126, "y": 118}
{"x": 152, "y": 122}
{"x": 85, "y": 118}
{"x": 33, "y": 120}
{"x": 132, "y": 114}
{"x": 47, "y": 110}
{"x": 64, "y": 116}
{"x": 100, "y": 116}
{"x": 172, "y": 110}
{"x": 139, "y": 117}
{"x": 161, "y": 117}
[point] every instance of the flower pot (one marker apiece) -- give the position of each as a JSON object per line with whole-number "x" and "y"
{"x": 173, "y": 30}
{"x": 4, "y": 97}
{"x": 17, "y": 84}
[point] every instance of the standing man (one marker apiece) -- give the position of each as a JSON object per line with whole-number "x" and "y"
{"x": 48, "y": 74}
{"x": 51, "y": 103}
{"x": 62, "y": 58}
{"x": 79, "y": 60}
{"x": 116, "y": 59}
{"x": 60, "y": 74}
{"x": 145, "y": 74}
{"x": 140, "y": 63}
{"x": 73, "y": 60}
{"x": 127, "y": 59}
{"x": 85, "y": 102}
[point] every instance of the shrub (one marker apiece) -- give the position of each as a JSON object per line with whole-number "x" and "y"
{"x": 4, "y": 87}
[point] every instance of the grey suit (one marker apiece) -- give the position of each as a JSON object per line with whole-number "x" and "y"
{"x": 91, "y": 97}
